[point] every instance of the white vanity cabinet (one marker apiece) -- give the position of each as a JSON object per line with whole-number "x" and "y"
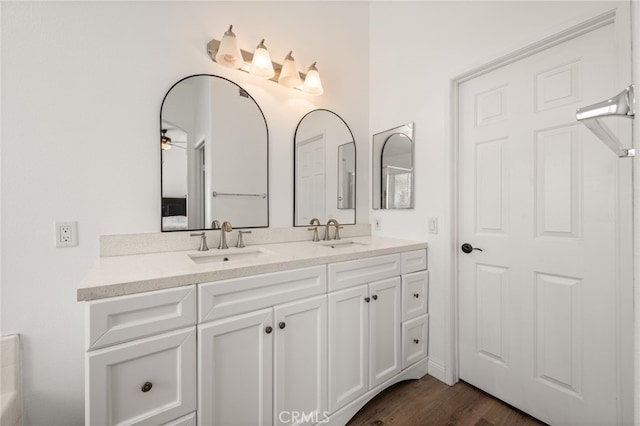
{"x": 415, "y": 319}
{"x": 364, "y": 326}
{"x": 376, "y": 316}
{"x": 262, "y": 367}
{"x": 364, "y": 346}
{"x": 141, "y": 358}
{"x": 293, "y": 347}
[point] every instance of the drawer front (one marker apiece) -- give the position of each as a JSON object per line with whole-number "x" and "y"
{"x": 355, "y": 272}
{"x": 188, "y": 420}
{"x": 415, "y": 291}
{"x": 122, "y": 319}
{"x": 414, "y": 261}
{"x": 415, "y": 340}
{"x": 231, "y": 297}
{"x": 149, "y": 381}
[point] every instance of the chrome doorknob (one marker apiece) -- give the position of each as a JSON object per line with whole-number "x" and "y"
{"x": 468, "y": 248}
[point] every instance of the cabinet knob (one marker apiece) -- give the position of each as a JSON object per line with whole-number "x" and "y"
{"x": 366, "y": 299}
{"x": 375, "y": 297}
{"x": 416, "y": 341}
{"x": 268, "y": 330}
{"x": 147, "y": 387}
{"x": 416, "y": 295}
{"x": 282, "y": 325}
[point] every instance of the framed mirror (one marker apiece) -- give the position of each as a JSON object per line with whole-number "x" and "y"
{"x": 393, "y": 165}
{"x": 214, "y": 151}
{"x": 324, "y": 169}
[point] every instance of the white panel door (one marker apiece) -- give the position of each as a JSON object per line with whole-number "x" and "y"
{"x": 300, "y": 353}
{"x": 539, "y": 196}
{"x": 235, "y": 367}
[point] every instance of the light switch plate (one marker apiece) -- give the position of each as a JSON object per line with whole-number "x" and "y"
{"x": 433, "y": 225}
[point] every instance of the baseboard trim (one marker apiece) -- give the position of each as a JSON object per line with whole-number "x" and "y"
{"x": 438, "y": 371}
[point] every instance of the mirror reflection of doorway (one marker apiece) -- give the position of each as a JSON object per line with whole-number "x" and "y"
{"x": 396, "y": 193}
{"x": 310, "y": 190}
{"x": 397, "y": 172}
{"x": 201, "y": 170}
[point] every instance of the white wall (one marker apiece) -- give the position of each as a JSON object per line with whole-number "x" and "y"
{"x": 74, "y": 74}
{"x": 416, "y": 48}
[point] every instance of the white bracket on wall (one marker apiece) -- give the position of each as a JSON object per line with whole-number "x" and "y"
{"x": 621, "y": 105}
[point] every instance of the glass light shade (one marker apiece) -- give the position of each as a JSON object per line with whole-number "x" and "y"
{"x": 289, "y": 75}
{"x": 312, "y": 83}
{"x": 165, "y": 141}
{"x": 229, "y": 54}
{"x": 261, "y": 65}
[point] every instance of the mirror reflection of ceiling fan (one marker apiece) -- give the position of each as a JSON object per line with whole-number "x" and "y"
{"x": 167, "y": 143}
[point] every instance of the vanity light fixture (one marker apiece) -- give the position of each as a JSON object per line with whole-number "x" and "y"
{"x": 259, "y": 63}
{"x": 165, "y": 141}
{"x": 229, "y": 54}
{"x": 312, "y": 83}
{"x": 289, "y": 75}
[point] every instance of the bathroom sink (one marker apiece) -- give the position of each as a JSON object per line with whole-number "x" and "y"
{"x": 337, "y": 244}
{"x": 231, "y": 255}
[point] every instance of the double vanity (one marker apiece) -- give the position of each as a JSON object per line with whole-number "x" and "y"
{"x": 284, "y": 331}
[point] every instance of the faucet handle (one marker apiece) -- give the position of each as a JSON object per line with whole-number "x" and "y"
{"x": 240, "y": 243}
{"x": 337, "y": 236}
{"x": 315, "y": 233}
{"x": 203, "y": 240}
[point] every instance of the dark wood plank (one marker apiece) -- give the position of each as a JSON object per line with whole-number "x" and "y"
{"x": 430, "y": 402}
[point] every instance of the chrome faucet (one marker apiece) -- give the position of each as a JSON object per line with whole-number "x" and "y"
{"x": 327, "y": 232}
{"x": 226, "y": 227}
{"x": 203, "y": 241}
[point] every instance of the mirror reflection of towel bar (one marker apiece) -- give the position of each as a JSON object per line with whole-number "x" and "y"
{"x": 621, "y": 105}
{"x": 230, "y": 194}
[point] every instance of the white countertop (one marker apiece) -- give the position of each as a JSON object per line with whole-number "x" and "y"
{"x": 121, "y": 275}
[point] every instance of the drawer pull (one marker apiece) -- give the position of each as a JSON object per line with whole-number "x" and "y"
{"x": 375, "y": 297}
{"x": 146, "y": 387}
{"x": 282, "y": 325}
{"x": 268, "y": 330}
{"x": 416, "y": 341}
{"x": 367, "y": 299}
{"x": 416, "y": 295}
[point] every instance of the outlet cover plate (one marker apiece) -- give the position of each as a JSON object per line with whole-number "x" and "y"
{"x": 66, "y": 234}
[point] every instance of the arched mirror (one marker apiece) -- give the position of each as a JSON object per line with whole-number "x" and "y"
{"x": 393, "y": 168}
{"x": 215, "y": 145}
{"x": 324, "y": 169}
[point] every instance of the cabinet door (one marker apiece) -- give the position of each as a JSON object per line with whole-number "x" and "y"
{"x": 348, "y": 345}
{"x": 147, "y": 381}
{"x": 384, "y": 324}
{"x": 235, "y": 370}
{"x": 300, "y": 354}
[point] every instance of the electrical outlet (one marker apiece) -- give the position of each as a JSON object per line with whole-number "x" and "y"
{"x": 66, "y": 234}
{"x": 378, "y": 223}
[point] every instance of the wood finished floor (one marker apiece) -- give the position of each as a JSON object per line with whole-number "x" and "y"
{"x": 429, "y": 402}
